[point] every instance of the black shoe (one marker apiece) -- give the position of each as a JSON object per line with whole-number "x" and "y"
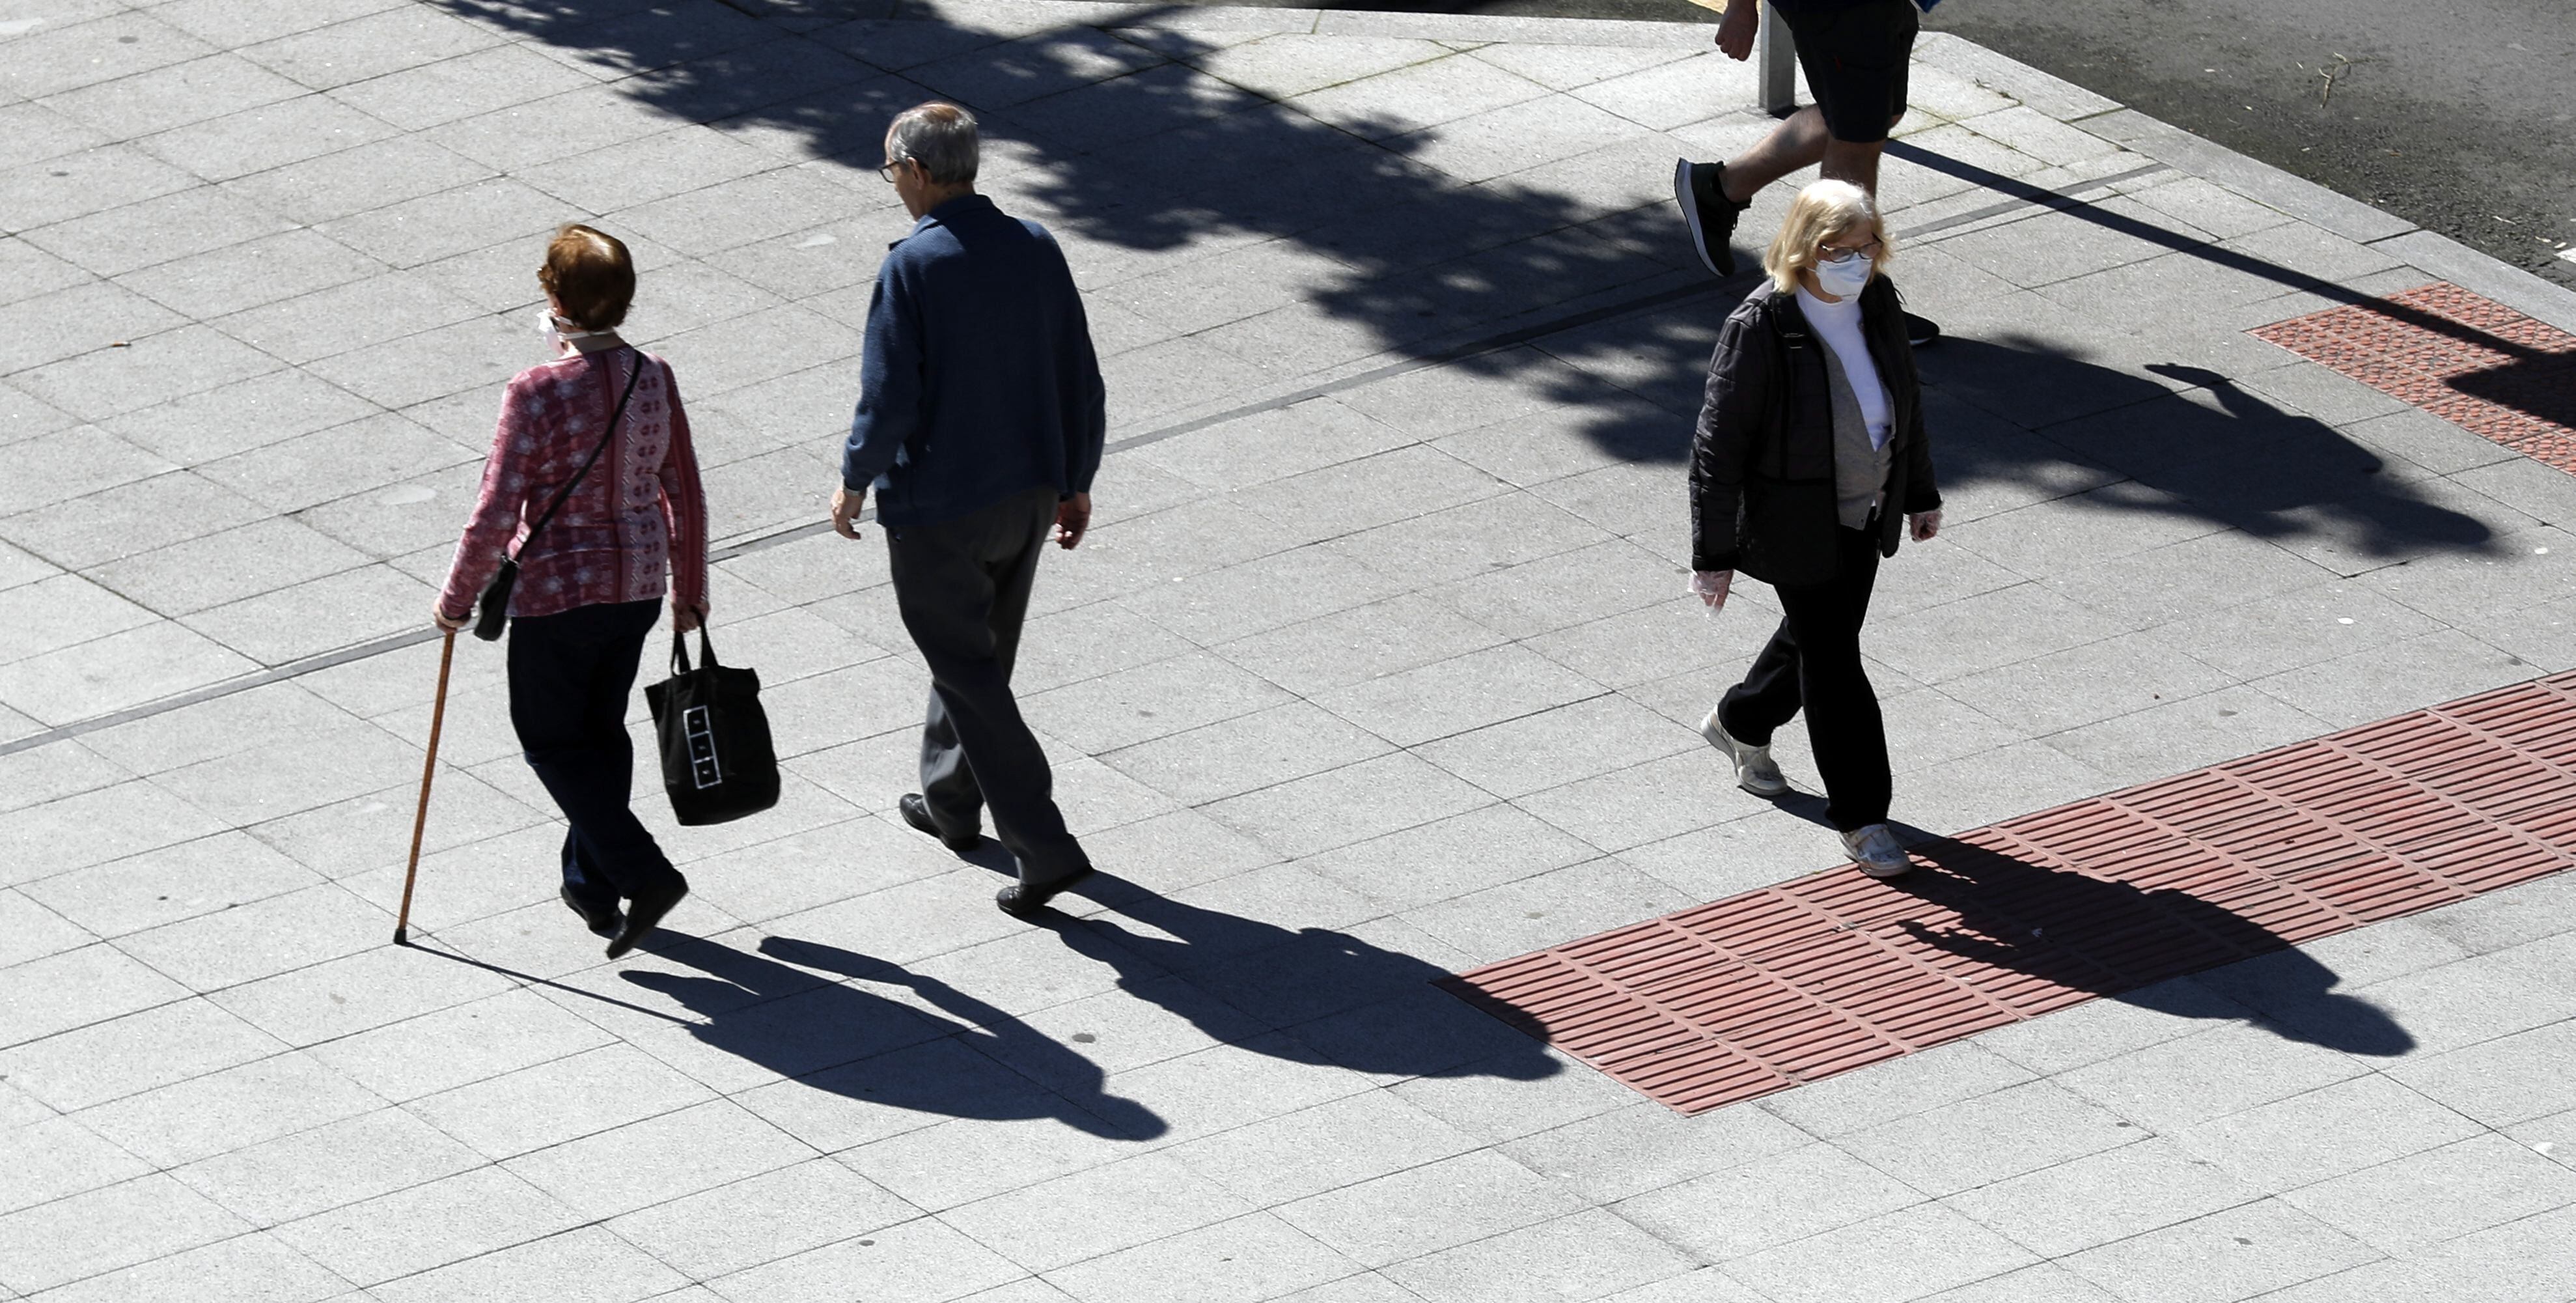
{"x": 916, "y": 811}
{"x": 1920, "y": 331}
{"x": 1020, "y": 900}
{"x": 641, "y": 915}
{"x": 1700, "y": 190}
{"x": 603, "y": 922}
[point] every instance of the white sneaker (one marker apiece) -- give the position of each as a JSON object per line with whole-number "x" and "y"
{"x": 1755, "y": 771}
{"x": 1874, "y": 849}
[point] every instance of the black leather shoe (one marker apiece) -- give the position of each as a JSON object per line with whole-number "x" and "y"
{"x": 1020, "y": 901}
{"x": 603, "y": 922}
{"x": 916, "y": 811}
{"x": 1700, "y": 189}
{"x": 641, "y": 915}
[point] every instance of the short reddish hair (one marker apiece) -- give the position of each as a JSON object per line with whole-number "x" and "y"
{"x": 590, "y": 275}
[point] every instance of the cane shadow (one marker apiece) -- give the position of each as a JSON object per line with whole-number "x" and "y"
{"x": 1309, "y": 995}
{"x": 2121, "y": 941}
{"x": 952, "y": 1054}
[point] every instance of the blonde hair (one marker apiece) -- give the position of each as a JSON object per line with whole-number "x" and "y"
{"x": 1825, "y": 210}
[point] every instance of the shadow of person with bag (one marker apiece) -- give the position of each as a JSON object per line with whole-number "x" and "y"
{"x": 953, "y": 1058}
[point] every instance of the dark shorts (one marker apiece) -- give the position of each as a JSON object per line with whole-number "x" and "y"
{"x": 1855, "y": 57}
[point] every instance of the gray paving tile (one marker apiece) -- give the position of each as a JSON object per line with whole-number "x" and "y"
{"x": 1456, "y": 695}
{"x": 2227, "y": 1255}
{"x": 76, "y": 988}
{"x": 1532, "y": 913}
{"x": 558, "y": 1101}
{"x": 919, "y": 1259}
{"x": 342, "y": 184}
{"x": 1428, "y": 1208}
{"x": 588, "y": 1263}
{"x": 1644, "y": 1146}
{"x": 252, "y": 1266}
{"x": 48, "y": 62}
{"x": 1255, "y": 1256}
{"x": 1252, "y": 751}
{"x": 1449, "y": 857}
{"x": 2103, "y": 1197}
{"x": 108, "y": 1228}
{"x": 2412, "y": 1203}
{"x": 1351, "y": 804}
{"x": 1990, "y": 1138}
{"x": 775, "y": 1215}
{"x": 329, "y": 1166}
{"x": 660, "y": 1159}
{"x": 1785, "y": 1198}
{"x": 1335, "y": 1144}
{"x": 57, "y": 1158}
{"x": 1591, "y": 1254}
{"x": 370, "y": 46}
{"x": 1058, "y": 1223}
{"x": 2208, "y": 1075}
{"x": 1903, "y": 1255}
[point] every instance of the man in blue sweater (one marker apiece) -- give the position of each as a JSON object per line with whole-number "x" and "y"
{"x": 979, "y": 425}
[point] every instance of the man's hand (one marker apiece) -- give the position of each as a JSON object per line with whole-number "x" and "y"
{"x": 846, "y": 506}
{"x": 1710, "y": 586}
{"x": 1926, "y": 524}
{"x": 1735, "y": 30}
{"x": 1072, "y": 519}
{"x": 686, "y": 619}
{"x": 439, "y": 617}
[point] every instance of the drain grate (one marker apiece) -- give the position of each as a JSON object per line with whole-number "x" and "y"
{"x": 2471, "y": 361}
{"x": 1760, "y": 992}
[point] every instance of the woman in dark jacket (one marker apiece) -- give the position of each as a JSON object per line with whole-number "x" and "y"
{"x": 1810, "y": 445}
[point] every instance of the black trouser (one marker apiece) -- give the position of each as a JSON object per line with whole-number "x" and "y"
{"x": 1813, "y": 661}
{"x": 570, "y": 674}
{"x": 963, "y": 587}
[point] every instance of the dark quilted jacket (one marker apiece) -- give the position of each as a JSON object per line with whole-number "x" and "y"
{"x": 1768, "y": 420}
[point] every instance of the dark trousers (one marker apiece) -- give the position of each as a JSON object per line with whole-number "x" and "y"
{"x": 963, "y": 588}
{"x": 570, "y": 674}
{"x": 1813, "y": 662}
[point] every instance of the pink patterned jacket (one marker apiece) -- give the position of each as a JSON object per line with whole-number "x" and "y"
{"x": 637, "y": 517}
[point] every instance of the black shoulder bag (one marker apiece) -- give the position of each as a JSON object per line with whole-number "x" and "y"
{"x": 717, "y": 761}
{"x": 492, "y": 612}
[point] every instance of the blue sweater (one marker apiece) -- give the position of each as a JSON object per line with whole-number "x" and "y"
{"x": 977, "y": 380}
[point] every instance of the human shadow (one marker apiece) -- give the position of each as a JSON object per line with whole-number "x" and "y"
{"x": 959, "y": 1056}
{"x": 1307, "y": 995}
{"x": 2078, "y": 932}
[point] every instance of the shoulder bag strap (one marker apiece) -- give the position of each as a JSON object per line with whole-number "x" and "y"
{"x": 587, "y": 463}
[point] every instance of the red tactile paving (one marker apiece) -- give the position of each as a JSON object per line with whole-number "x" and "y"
{"x": 2471, "y": 361}
{"x": 1760, "y": 992}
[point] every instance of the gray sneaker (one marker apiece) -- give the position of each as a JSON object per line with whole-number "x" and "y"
{"x": 1874, "y": 849}
{"x": 1755, "y": 771}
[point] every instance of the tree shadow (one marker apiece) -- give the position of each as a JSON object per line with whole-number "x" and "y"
{"x": 2110, "y": 938}
{"x": 956, "y": 1059}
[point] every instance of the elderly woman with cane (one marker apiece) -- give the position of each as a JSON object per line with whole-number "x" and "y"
{"x": 590, "y": 497}
{"x": 1810, "y": 445}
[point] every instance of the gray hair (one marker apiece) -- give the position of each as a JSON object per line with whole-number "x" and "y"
{"x": 938, "y": 135}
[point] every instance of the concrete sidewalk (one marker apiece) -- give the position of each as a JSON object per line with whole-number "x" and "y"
{"x": 1377, "y": 668}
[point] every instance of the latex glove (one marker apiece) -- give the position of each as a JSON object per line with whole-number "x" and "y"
{"x": 1710, "y": 586}
{"x": 1926, "y": 524}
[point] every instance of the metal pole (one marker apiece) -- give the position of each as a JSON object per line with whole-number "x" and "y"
{"x": 1775, "y": 63}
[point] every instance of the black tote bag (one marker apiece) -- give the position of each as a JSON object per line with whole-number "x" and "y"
{"x": 717, "y": 761}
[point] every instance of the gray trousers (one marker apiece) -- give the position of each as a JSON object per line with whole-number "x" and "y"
{"x": 963, "y": 588}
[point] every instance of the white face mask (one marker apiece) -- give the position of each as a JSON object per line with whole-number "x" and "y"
{"x": 552, "y": 329}
{"x": 1843, "y": 279}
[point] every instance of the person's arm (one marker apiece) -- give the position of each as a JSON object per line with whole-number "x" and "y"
{"x": 498, "y": 505}
{"x": 684, "y": 513}
{"x": 1732, "y": 411}
{"x": 1736, "y": 29}
{"x": 1086, "y": 428}
{"x": 1922, "y": 492}
{"x": 890, "y": 381}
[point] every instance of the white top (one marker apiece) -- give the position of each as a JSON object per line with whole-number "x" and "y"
{"x": 1839, "y": 323}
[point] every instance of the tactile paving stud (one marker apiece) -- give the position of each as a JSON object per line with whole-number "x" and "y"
{"x": 1836, "y": 971}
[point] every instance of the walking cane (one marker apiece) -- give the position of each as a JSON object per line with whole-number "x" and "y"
{"x": 428, "y": 770}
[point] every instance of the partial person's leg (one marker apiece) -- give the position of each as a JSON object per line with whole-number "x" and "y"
{"x": 945, "y": 586}
{"x": 563, "y": 669}
{"x": 1769, "y": 696}
{"x": 947, "y": 783}
{"x": 1799, "y": 141}
{"x": 1843, "y": 721}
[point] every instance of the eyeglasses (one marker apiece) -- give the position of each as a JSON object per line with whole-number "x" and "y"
{"x": 1838, "y": 256}
{"x": 887, "y": 172}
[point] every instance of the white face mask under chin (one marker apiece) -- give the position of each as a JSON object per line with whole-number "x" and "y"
{"x": 551, "y": 328}
{"x": 1843, "y": 279}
